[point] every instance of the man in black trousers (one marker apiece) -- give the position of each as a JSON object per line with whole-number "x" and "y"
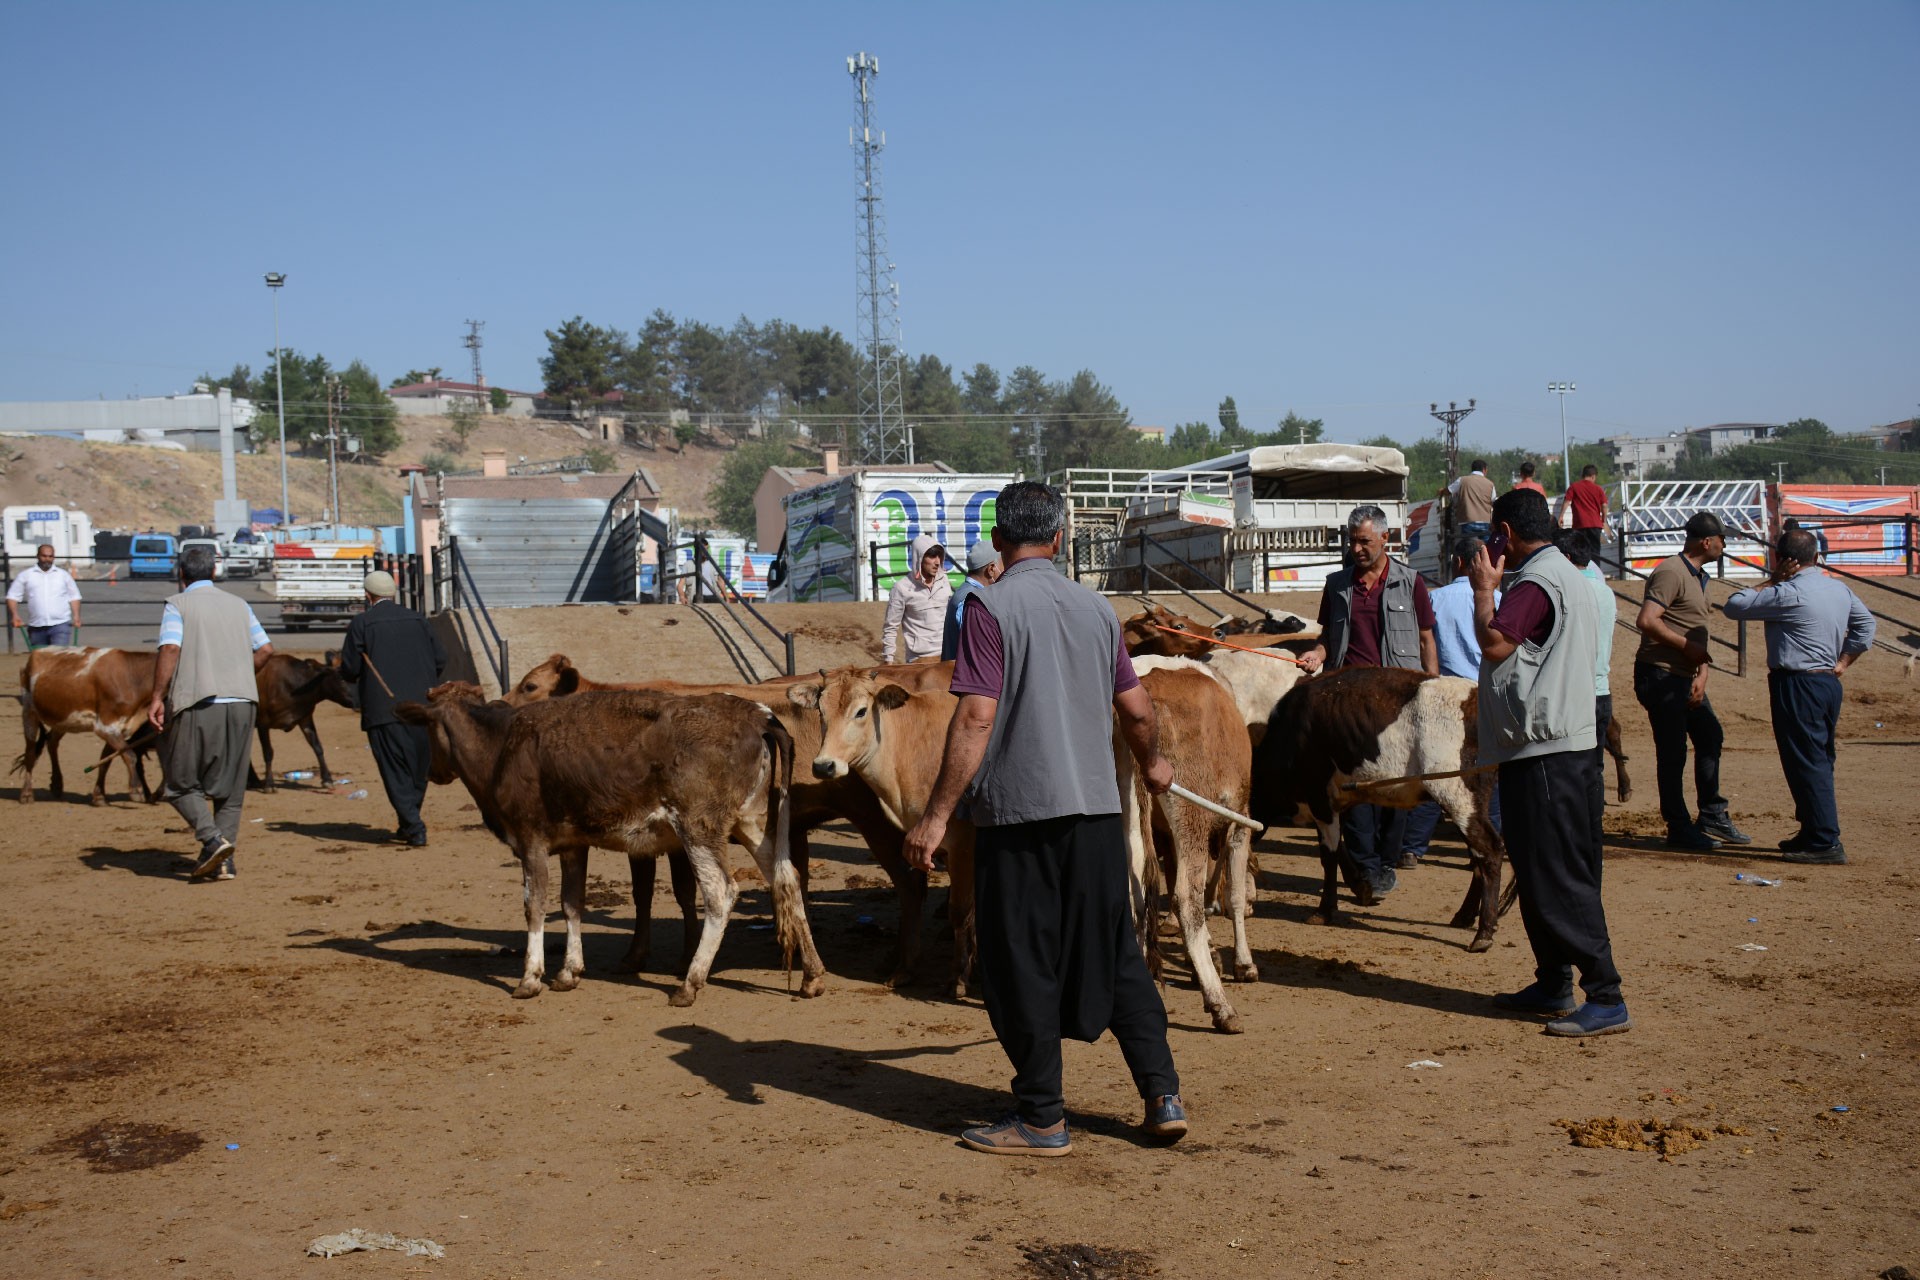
{"x": 1040, "y": 673}
{"x": 394, "y": 655}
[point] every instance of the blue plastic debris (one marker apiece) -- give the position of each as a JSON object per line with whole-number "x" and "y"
{"x": 1753, "y": 919}
{"x": 1843, "y": 1108}
{"x": 233, "y": 1146}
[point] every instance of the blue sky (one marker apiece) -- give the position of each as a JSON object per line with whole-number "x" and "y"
{"x": 1699, "y": 212}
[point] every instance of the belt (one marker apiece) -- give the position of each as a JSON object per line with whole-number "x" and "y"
{"x": 1811, "y": 671}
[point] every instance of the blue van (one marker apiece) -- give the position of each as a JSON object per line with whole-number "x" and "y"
{"x": 151, "y": 555}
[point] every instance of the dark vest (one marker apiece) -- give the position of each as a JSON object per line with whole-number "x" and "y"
{"x": 1400, "y": 643}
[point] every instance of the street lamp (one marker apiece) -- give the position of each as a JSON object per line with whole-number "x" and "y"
{"x": 276, "y": 280}
{"x": 1563, "y": 390}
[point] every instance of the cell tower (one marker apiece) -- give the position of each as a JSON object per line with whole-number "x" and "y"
{"x": 472, "y": 343}
{"x": 885, "y": 437}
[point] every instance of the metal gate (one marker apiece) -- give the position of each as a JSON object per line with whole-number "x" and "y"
{"x": 533, "y": 551}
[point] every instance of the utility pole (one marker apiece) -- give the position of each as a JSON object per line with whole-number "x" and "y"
{"x": 472, "y": 343}
{"x": 1563, "y": 389}
{"x": 1779, "y": 473}
{"x": 1452, "y": 415}
{"x": 885, "y": 436}
{"x": 277, "y": 280}
{"x": 336, "y": 398}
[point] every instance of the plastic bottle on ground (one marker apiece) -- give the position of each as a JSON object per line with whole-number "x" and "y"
{"x": 361, "y": 794}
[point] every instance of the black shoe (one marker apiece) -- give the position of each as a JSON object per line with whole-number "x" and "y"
{"x": 1692, "y": 839}
{"x": 1794, "y": 843}
{"x": 213, "y": 854}
{"x": 1723, "y": 830}
{"x": 1385, "y": 881}
{"x": 418, "y": 841}
{"x": 1834, "y": 855}
{"x": 1537, "y": 1000}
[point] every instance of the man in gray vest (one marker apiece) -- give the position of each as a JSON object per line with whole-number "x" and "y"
{"x": 203, "y": 705}
{"x": 1374, "y": 613}
{"x": 1040, "y": 673}
{"x": 1537, "y": 723}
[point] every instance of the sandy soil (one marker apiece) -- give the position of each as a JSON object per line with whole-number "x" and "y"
{"x": 327, "y": 1042}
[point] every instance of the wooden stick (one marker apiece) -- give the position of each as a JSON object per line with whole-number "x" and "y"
{"x": 1195, "y": 798}
{"x": 368, "y": 659}
{"x": 1418, "y": 777}
{"x": 1227, "y": 644}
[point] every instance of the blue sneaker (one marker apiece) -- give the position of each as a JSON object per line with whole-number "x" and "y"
{"x": 1536, "y": 999}
{"x": 1166, "y": 1118}
{"x": 1592, "y": 1019}
{"x": 1012, "y": 1137}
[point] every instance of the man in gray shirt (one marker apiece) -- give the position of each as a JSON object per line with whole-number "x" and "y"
{"x": 1040, "y": 673}
{"x": 1816, "y": 627}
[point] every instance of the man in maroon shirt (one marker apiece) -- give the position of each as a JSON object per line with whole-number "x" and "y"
{"x": 1588, "y": 500}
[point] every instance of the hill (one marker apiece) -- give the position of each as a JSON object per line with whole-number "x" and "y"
{"x": 136, "y": 487}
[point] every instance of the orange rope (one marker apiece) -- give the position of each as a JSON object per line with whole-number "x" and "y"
{"x": 1227, "y": 644}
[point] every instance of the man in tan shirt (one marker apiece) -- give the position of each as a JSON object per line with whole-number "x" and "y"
{"x": 1670, "y": 681}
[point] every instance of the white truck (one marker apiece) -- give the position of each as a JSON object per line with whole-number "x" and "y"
{"x": 319, "y": 583}
{"x": 836, "y": 531}
{"x": 248, "y": 554}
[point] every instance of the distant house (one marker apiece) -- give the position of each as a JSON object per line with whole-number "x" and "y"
{"x": 770, "y": 518}
{"x": 437, "y": 395}
{"x": 1156, "y": 434}
{"x": 1723, "y": 436}
{"x": 1633, "y": 456}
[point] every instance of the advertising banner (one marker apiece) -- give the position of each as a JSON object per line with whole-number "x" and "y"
{"x": 832, "y": 528}
{"x": 1862, "y": 528}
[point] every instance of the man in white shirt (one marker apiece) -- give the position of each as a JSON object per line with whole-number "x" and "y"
{"x": 52, "y": 599}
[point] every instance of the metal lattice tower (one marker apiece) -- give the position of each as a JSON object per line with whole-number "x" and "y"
{"x": 885, "y": 437}
{"x": 472, "y": 343}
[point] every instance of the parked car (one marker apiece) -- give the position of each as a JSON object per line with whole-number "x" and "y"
{"x": 248, "y": 554}
{"x": 219, "y": 554}
{"x": 151, "y": 555}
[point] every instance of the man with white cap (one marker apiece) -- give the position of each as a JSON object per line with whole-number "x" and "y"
{"x": 396, "y": 658}
{"x": 983, "y": 570}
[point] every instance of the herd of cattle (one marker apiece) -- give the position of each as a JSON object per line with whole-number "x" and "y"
{"x": 561, "y": 764}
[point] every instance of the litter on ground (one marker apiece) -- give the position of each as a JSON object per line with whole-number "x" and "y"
{"x": 361, "y": 1238}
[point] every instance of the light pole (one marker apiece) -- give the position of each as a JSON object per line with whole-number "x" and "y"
{"x": 275, "y": 281}
{"x": 1563, "y": 390}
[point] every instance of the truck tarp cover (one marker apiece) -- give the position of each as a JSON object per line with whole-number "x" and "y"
{"x": 1311, "y": 470}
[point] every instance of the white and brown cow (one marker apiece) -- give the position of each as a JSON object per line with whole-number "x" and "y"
{"x": 639, "y": 773}
{"x": 98, "y": 691}
{"x": 1331, "y": 736}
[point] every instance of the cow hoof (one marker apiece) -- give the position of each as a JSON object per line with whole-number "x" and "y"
{"x": 26, "y": 795}
{"x": 528, "y": 988}
{"x": 683, "y": 996}
{"x": 632, "y": 962}
{"x": 564, "y": 981}
{"x": 96, "y": 800}
{"x": 813, "y": 986}
{"x": 1226, "y": 1022}
{"x": 1246, "y": 973}
{"x": 1462, "y": 919}
{"x": 1481, "y": 942}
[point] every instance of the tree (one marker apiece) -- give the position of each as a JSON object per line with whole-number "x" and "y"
{"x": 1229, "y": 416}
{"x": 303, "y": 382}
{"x": 730, "y": 498}
{"x": 463, "y": 416}
{"x": 1194, "y": 438}
{"x": 1091, "y": 426}
{"x": 240, "y": 382}
{"x": 582, "y": 361}
{"x": 499, "y": 399}
{"x": 412, "y": 376}
{"x": 1295, "y": 429}
{"x": 981, "y": 394}
{"x": 369, "y": 412}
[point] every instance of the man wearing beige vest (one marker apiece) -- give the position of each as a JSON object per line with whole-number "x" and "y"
{"x": 203, "y": 705}
{"x": 1472, "y": 496}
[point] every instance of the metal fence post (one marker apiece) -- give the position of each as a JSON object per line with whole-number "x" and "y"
{"x": 790, "y": 653}
{"x": 1909, "y": 523}
{"x": 873, "y": 568}
{"x": 1740, "y": 647}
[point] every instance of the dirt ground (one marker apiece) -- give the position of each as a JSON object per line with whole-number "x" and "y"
{"x": 210, "y": 1076}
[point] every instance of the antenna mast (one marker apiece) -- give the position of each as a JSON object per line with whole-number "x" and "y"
{"x": 885, "y": 437}
{"x": 472, "y": 343}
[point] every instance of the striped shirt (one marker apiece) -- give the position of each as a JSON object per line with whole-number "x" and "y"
{"x": 173, "y": 629}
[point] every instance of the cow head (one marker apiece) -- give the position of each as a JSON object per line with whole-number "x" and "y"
{"x": 442, "y": 700}
{"x": 849, "y": 703}
{"x": 1143, "y": 637}
{"x": 557, "y": 677}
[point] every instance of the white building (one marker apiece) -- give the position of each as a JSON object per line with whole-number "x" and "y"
{"x": 437, "y": 395}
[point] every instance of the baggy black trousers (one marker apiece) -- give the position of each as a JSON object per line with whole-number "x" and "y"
{"x": 1551, "y": 805}
{"x": 1058, "y": 956}
{"x": 404, "y": 754}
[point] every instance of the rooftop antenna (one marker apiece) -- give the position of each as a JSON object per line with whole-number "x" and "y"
{"x": 885, "y": 437}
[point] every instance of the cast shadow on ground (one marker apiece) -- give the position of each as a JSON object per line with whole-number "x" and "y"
{"x": 159, "y": 864}
{"x": 863, "y": 1080}
{"x": 1290, "y": 969}
{"x": 358, "y": 832}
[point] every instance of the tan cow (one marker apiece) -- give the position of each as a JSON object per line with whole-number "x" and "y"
{"x": 871, "y": 727}
{"x": 98, "y": 691}
{"x": 815, "y": 800}
{"x": 639, "y": 773}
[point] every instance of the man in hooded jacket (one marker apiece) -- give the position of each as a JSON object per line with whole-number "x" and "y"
{"x": 917, "y": 605}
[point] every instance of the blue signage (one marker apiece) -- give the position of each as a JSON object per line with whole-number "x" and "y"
{"x": 41, "y": 517}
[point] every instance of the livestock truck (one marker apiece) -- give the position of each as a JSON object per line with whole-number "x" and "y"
{"x": 319, "y": 583}
{"x": 848, "y": 539}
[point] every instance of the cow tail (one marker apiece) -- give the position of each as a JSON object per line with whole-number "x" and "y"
{"x": 39, "y": 745}
{"x": 786, "y": 881}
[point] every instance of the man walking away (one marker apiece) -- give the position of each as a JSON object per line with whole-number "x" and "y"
{"x": 1670, "y": 681}
{"x": 983, "y": 570}
{"x": 1536, "y": 723}
{"x": 1458, "y": 649}
{"x": 1374, "y": 614}
{"x": 1040, "y": 673}
{"x": 917, "y": 605}
{"x": 1588, "y": 500}
{"x": 52, "y": 599}
{"x": 1472, "y": 501}
{"x": 394, "y": 655}
{"x": 203, "y": 705}
{"x": 1526, "y": 480}
{"x": 1816, "y": 628}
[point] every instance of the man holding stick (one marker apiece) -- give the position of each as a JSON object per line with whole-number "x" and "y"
{"x": 396, "y": 658}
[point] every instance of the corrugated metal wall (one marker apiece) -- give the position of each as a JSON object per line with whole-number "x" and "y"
{"x": 526, "y": 551}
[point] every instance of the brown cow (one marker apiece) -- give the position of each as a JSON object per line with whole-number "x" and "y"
{"x": 815, "y": 800}
{"x": 899, "y": 764}
{"x": 639, "y": 773}
{"x": 99, "y": 691}
{"x": 1369, "y": 725}
{"x": 289, "y": 689}
{"x": 1202, "y": 736}
{"x": 1142, "y": 636}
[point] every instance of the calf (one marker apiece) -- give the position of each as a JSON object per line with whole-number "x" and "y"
{"x": 1198, "y": 853}
{"x": 639, "y": 773}
{"x": 100, "y": 691}
{"x": 1143, "y": 637}
{"x": 815, "y": 800}
{"x": 1373, "y": 725}
{"x": 289, "y": 689}
{"x": 899, "y": 764}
